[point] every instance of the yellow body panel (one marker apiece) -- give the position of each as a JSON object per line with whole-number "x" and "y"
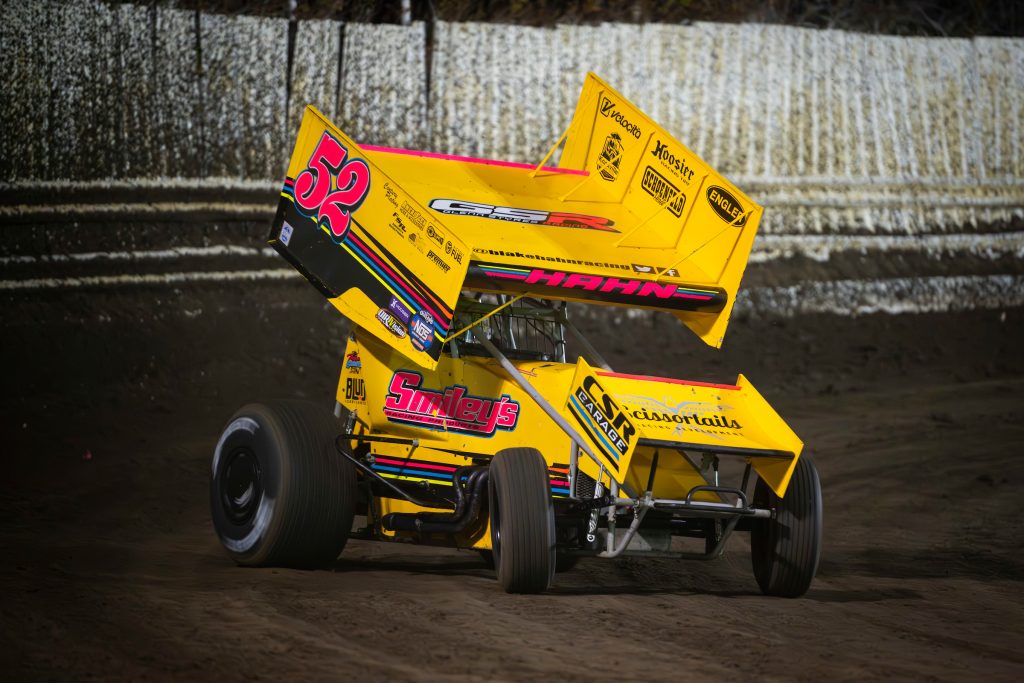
{"x": 470, "y": 406}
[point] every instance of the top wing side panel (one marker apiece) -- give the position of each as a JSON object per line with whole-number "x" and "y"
{"x": 379, "y": 256}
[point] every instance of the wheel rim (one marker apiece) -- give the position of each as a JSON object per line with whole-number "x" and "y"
{"x": 241, "y": 486}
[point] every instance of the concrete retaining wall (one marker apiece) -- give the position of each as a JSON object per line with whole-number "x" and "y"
{"x": 833, "y": 131}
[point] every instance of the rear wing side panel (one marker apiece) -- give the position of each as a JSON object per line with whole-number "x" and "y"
{"x": 683, "y": 204}
{"x": 381, "y": 258}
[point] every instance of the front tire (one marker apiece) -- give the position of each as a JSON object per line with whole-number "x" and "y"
{"x": 279, "y": 493}
{"x": 786, "y": 548}
{"x": 522, "y": 520}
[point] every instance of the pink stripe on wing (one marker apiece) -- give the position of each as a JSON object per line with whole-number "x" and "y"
{"x": 471, "y": 160}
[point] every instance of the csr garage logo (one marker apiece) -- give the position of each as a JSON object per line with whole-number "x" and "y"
{"x": 663, "y": 191}
{"x": 609, "y": 109}
{"x": 726, "y": 206}
{"x": 602, "y": 418}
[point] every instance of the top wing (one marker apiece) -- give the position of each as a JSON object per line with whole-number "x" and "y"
{"x": 630, "y": 217}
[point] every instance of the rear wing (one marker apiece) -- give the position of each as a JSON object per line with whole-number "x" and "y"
{"x": 630, "y": 217}
{"x": 686, "y": 208}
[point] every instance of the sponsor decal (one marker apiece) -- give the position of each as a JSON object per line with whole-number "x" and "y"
{"x": 418, "y": 243}
{"x": 558, "y": 219}
{"x": 398, "y": 225}
{"x": 602, "y": 417}
{"x": 329, "y": 167}
{"x": 555, "y": 259}
{"x": 452, "y": 408}
{"x": 692, "y": 419}
{"x": 353, "y": 362}
{"x": 393, "y": 324}
{"x": 610, "y": 109}
{"x": 611, "y": 155}
{"x": 453, "y": 251}
{"x": 412, "y": 214}
{"x": 438, "y": 261}
{"x": 355, "y": 389}
{"x": 435, "y": 234}
{"x": 399, "y": 309}
{"x": 726, "y": 206}
{"x": 421, "y": 330}
{"x": 286, "y": 234}
{"x": 391, "y": 194}
{"x": 613, "y": 285}
{"x": 673, "y": 163}
{"x": 664, "y": 192}
{"x": 653, "y": 270}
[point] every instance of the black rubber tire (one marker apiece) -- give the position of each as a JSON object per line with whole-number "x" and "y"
{"x": 785, "y": 550}
{"x": 298, "y": 505}
{"x": 522, "y": 520}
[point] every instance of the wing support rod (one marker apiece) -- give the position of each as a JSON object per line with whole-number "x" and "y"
{"x": 556, "y": 417}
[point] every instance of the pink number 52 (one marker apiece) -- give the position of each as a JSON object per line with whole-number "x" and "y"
{"x": 313, "y": 185}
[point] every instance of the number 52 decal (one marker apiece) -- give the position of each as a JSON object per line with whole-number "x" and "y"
{"x": 328, "y": 170}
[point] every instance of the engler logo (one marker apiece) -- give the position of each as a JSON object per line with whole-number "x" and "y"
{"x": 726, "y": 206}
{"x": 663, "y": 191}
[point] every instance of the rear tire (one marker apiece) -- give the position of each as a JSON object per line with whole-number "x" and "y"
{"x": 279, "y": 493}
{"x": 522, "y": 520}
{"x": 786, "y": 548}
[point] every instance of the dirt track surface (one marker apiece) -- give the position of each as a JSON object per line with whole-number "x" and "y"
{"x": 110, "y": 568}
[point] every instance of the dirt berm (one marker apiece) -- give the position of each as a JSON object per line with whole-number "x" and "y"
{"x": 110, "y": 569}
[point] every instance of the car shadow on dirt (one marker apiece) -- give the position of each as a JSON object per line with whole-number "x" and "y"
{"x": 964, "y": 563}
{"x": 468, "y": 567}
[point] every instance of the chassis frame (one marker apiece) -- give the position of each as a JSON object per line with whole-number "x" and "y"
{"x": 603, "y": 508}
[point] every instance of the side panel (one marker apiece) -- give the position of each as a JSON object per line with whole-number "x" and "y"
{"x": 612, "y": 433}
{"x": 382, "y": 259}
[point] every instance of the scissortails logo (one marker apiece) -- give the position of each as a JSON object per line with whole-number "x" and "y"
{"x": 452, "y": 408}
{"x": 691, "y": 419}
{"x": 726, "y": 206}
{"x": 663, "y": 191}
{"x": 608, "y": 109}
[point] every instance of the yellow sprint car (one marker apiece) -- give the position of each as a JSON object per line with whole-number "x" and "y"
{"x": 460, "y": 420}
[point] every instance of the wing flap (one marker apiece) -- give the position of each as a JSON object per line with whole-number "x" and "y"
{"x": 711, "y": 418}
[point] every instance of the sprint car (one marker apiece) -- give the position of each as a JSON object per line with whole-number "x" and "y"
{"x": 470, "y": 411}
